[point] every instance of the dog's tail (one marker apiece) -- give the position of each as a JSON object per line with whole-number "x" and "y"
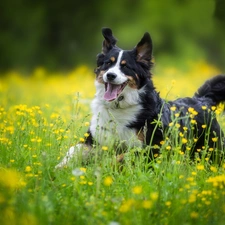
{"x": 214, "y": 89}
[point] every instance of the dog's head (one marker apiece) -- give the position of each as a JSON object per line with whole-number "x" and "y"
{"x": 118, "y": 70}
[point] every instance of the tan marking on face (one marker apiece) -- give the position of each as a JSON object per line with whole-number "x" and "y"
{"x": 131, "y": 82}
{"x": 112, "y": 59}
{"x": 99, "y": 77}
{"x": 123, "y": 62}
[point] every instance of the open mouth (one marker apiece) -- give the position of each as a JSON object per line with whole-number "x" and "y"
{"x": 112, "y": 91}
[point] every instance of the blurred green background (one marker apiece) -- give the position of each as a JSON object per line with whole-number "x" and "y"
{"x": 62, "y": 34}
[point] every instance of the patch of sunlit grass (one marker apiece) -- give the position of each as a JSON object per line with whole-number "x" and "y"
{"x": 172, "y": 82}
{"x": 43, "y": 114}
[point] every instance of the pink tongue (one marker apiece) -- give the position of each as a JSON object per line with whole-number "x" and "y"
{"x": 111, "y": 92}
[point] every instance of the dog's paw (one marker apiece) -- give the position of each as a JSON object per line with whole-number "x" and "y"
{"x": 61, "y": 165}
{"x": 66, "y": 159}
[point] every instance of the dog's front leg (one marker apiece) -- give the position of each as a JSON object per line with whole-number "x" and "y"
{"x": 79, "y": 152}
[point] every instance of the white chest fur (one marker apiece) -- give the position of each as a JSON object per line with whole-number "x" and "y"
{"x": 110, "y": 119}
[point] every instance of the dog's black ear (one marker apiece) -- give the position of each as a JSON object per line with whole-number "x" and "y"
{"x": 144, "y": 49}
{"x": 109, "y": 41}
{"x": 100, "y": 59}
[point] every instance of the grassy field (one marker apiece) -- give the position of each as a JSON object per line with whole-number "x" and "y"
{"x": 43, "y": 114}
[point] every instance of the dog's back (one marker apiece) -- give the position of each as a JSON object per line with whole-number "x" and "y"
{"x": 197, "y": 116}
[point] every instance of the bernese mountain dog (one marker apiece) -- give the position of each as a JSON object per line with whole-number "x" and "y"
{"x": 128, "y": 112}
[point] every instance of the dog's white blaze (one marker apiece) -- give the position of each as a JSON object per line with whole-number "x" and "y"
{"x": 121, "y": 78}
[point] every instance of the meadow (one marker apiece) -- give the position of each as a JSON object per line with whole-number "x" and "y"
{"x": 43, "y": 114}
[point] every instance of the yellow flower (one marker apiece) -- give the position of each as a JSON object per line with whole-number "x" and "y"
{"x": 108, "y": 181}
{"x": 173, "y": 108}
{"x": 191, "y": 179}
{"x": 181, "y": 134}
{"x": 213, "y": 108}
{"x": 200, "y": 167}
{"x": 215, "y": 139}
{"x": 83, "y": 169}
{"x": 126, "y": 205}
{"x": 82, "y": 140}
{"x": 171, "y": 124}
{"x": 204, "y": 107}
{"x": 195, "y": 139}
{"x": 217, "y": 181}
{"x": 184, "y": 140}
{"x": 185, "y": 128}
{"x": 218, "y": 111}
{"x": 195, "y": 113}
{"x": 194, "y": 215}
{"x": 147, "y": 204}
{"x": 86, "y": 135}
{"x": 213, "y": 169}
{"x": 28, "y": 169}
{"x": 168, "y": 203}
{"x": 154, "y": 196}
{"x": 39, "y": 140}
{"x": 193, "y": 122}
{"x": 204, "y": 126}
{"x": 86, "y": 124}
{"x": 190, "y": 109}
{"x": 83, "y": 182}
{"x": 137, "y": 190}
{"x": 11, "y": 179}
{"x": 168, "y": 147}
{"x": 104, "y": 148}
{"x": 192, "y": 198}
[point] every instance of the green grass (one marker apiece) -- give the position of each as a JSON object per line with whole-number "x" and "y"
{"x": 34, "y": 138}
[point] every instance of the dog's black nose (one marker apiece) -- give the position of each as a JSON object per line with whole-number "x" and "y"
{"x": 111, "y": 76}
